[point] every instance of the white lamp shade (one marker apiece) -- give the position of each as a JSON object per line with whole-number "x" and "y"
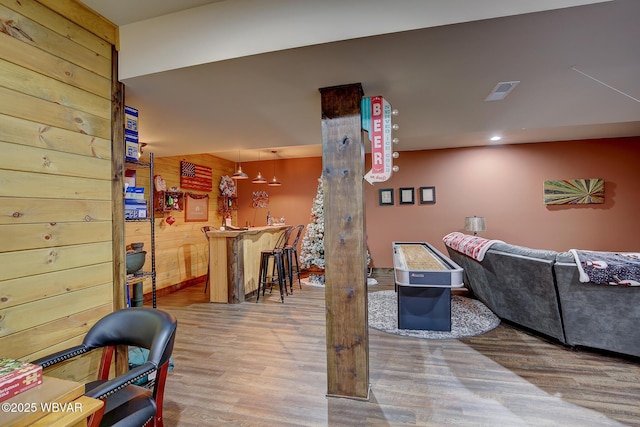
{"x": 475, "y": 224}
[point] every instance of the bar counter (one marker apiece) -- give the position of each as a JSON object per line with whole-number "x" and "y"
{"x": 234, "y": 261}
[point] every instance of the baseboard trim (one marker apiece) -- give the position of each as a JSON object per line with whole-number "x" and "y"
{"x": 148, "y": 298}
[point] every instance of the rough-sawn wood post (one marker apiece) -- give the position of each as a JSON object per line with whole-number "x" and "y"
{"x": 344, "y": 242}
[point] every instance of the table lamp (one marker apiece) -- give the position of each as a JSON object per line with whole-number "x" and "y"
{"x": 475, "y": 224}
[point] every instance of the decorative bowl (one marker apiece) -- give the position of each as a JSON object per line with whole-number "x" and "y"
{"x": 135, "y": 261}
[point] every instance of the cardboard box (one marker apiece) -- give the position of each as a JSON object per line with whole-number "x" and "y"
{"x": 130, "y": 178}
{"x": 135, "y": 209}
{"x": 17, "y": 377}
{"x": 131, "y": 147}
{"x": 136, "y": 193}
{"x": 131, "y": 119}
{"x": 135, "y": 213}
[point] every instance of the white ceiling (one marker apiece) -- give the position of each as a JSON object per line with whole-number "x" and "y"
{"x": 578, "y": 69}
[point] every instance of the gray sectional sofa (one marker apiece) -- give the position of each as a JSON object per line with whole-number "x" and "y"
{"x": 540, "y": 290}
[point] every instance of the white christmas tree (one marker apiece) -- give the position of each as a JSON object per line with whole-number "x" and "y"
{"x": 312, "y": 249}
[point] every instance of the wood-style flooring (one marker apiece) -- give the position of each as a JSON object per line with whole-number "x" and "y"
{"x": 264, "y": 364}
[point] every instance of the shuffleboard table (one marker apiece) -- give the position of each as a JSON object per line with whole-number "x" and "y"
{"x": 424, "y": 278}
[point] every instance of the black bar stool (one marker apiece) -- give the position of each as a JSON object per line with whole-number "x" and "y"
{"x": 291, "y": 252}
{"x": 277, "y": 257}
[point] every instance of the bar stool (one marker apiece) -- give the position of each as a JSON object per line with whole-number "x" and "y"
{"x": 204, "y": 231}
{"x": 277, "y": 257}
{"x": 291, "y": 252}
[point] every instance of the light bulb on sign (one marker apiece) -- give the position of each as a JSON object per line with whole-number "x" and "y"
{"x": 395, "y": 168}
{"x": 394, "y": 112}
{"x": 395, "y": 140}
{"x": 395, "y": 126}
{"x": 395, "y": 154}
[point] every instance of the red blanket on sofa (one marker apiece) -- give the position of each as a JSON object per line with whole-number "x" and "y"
{"x": 472, "y": 246}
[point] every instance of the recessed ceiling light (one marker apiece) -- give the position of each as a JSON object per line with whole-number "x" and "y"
{"x": 495, "y": 138}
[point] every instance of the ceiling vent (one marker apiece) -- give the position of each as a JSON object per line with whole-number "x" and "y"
{"x": 501, "y": 91}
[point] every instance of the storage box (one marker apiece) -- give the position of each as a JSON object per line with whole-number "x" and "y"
{"x": 131, "y": 147}
{"x": 17, "y": 377}
{"x": 135, "y": 209}
{"x": 131, "y": 119}
{"x": 130, "y": 178}
{"x": 136, "y": 193}
{"x": 135, "y": 213}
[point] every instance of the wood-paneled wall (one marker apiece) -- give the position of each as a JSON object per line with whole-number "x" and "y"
{"x": 56, "y": 255}
{"x": 181, "y": 248}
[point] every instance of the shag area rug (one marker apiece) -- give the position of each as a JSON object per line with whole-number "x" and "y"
{"x": 319, "y": 283}
{"x": 469, "y": 317}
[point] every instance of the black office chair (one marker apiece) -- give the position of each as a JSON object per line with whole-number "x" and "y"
{"x": 127, "y": 404}
{"x": 291, "y": 254}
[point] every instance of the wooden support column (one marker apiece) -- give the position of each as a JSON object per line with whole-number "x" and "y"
{"x": 344, "y": 243}
{"x": 117, "y": 204}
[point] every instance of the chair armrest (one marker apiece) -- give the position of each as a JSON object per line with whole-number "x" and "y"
{"x": 61, "y": 356}
{"x": 111, "y": 386}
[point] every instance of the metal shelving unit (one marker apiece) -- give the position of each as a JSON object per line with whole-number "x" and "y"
{"x": 151, "y": 219}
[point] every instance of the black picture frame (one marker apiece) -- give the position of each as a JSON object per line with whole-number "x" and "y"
{"x": 407, "y": 195}
{"x": 427, "y": 195}
{"x": 386, "y": 196}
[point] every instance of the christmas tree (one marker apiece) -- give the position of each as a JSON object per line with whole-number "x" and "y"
{"x": 312, "y": 249}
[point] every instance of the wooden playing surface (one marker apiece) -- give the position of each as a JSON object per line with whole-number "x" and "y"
{"x": 419, "y": 258}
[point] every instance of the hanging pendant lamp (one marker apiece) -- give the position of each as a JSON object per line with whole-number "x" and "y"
{"x": 259, "y": 179}
{"x": 239, "y": 174}
{"x": 274, "y": 182}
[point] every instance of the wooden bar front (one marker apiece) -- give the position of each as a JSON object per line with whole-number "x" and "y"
{"x": 234, "y": 261}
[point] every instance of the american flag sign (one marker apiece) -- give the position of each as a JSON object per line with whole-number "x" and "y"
{"x": 195, "y": 177}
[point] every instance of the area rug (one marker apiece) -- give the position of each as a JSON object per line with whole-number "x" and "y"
{"x": 469, "y": 317}
{"x": 314, "y": 281}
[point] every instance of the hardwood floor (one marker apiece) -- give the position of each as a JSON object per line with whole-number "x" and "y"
{"x": 264, "y": 364}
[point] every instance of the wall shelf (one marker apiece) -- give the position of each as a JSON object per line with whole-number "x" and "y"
{"x": 227, "y": 204}
{"x": 167, "y": 201}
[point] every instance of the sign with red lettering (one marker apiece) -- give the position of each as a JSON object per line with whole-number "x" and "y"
{"x": 376, "y": 120}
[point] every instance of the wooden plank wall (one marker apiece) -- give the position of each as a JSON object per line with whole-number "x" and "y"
{"x": 56, "y": 259}
{"x": 181, "y": 248}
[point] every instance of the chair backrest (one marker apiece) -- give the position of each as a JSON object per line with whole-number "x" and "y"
{"x": 205, "y": 229}
{"x": 296, "y": 235}
{"x": 283, "y": 238}
{"x": 144, "y": 327}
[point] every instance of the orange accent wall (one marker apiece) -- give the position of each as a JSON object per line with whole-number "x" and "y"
{"x": 292, "y": 200}
{"x": 503, "y": 183}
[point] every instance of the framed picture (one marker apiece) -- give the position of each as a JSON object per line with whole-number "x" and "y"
{"x": 386, "y": 196}
{"x": 406, "y": 196}
{"x": 574, "y": 191}
{"x": 196, "y": 207}
{"x": 427, "y": 195}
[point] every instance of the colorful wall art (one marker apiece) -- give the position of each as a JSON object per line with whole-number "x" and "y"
{"x": 574, "y": 191}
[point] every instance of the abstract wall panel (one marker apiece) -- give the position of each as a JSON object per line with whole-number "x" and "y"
{"x": 574, "y": 191}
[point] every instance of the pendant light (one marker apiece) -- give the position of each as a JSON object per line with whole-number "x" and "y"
{"x": 259, "y": 179}
{"x": 274, "y": 182}
{"x": 239, "y": 173}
